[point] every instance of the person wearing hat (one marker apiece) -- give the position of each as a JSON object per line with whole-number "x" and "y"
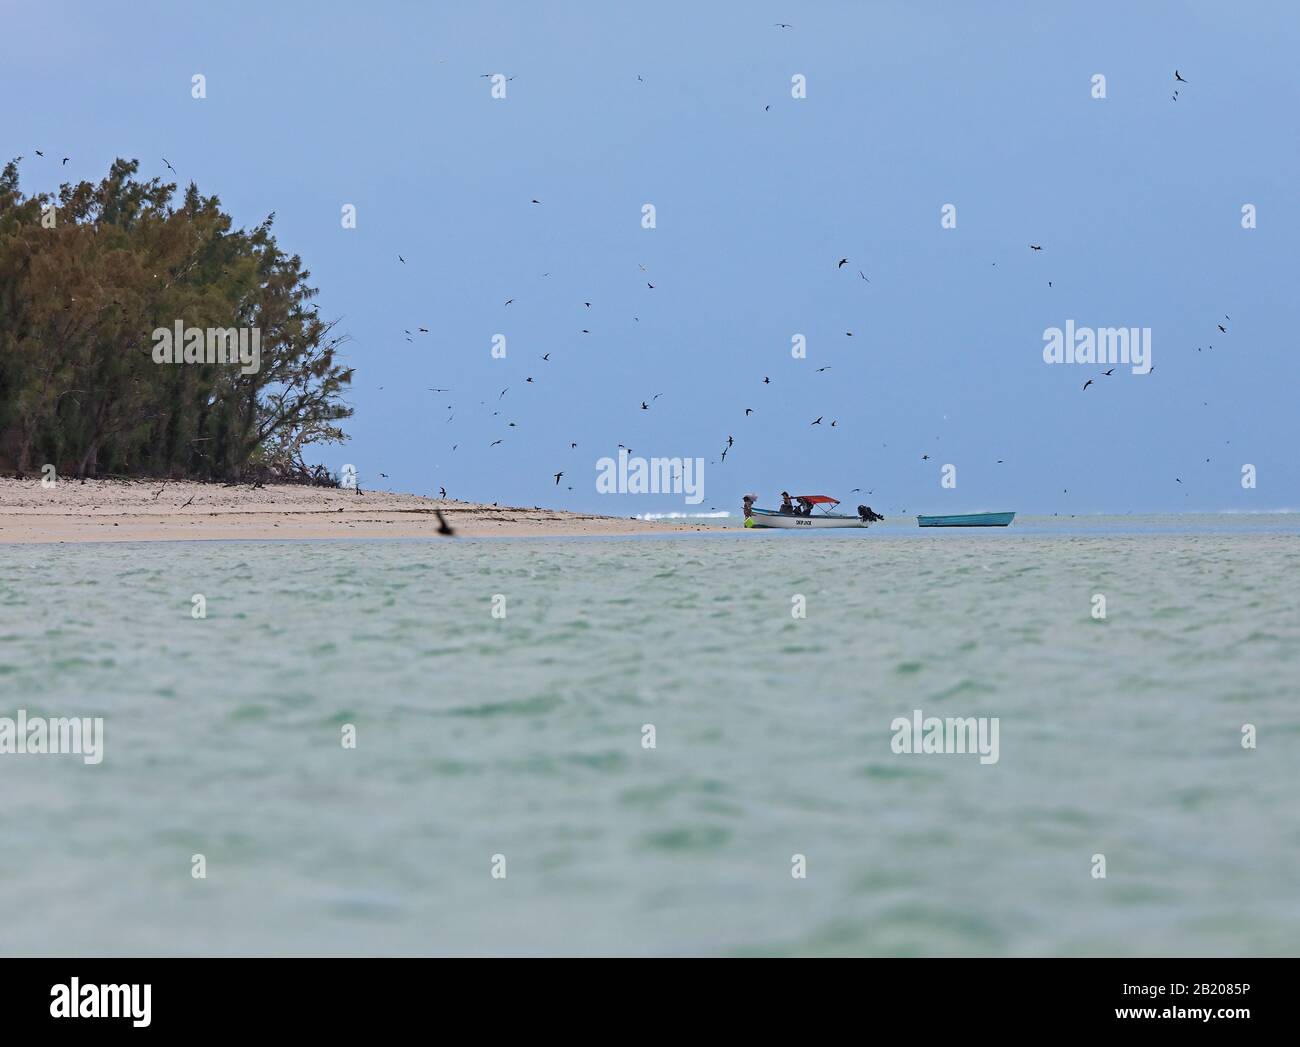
{"x": 787, "y": 506}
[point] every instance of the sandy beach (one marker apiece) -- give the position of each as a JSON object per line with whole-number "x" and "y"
{"x": 154, "y": 510}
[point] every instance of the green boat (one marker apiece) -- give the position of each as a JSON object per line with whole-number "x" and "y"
{"x": 967, "y": 520}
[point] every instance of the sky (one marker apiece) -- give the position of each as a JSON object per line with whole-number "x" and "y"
{"x": 1135, "y": 198}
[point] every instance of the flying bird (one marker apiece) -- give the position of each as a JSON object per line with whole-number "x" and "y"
{"x": 1035, "y": 247}
{"x": 1222, "y": 328}
{"x": 821, "y": 369}
{"x": 401, "y": 259}
{"x": 442, "y": 492}
{"x": 1111, "y": 371}
{"x": 557, "y": 478}
{"x": 494, "y": 443}
{"x": 1178, "y": 77}
{"x": 39, "y": 153}
{"x": 842, "y": 263}
{"x": 546, "y": 357}
{"x": 1087, "y": 383}
{"x": 65, "y": 160}
{"x": 509, "y": 300}
{"x": 169, "y": 166}
{"x": 819, "y": 420}
{"x": 748, "y": 411}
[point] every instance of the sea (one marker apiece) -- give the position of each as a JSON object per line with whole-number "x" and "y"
{"x": 668, "y": 745}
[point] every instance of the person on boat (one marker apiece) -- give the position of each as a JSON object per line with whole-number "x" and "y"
{"x": 805, "y": 507}
{"x": 787, "y": 506}
{"x": 749, "y": 501}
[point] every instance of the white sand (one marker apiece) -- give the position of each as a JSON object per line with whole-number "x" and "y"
{"x": 143, "y": 510}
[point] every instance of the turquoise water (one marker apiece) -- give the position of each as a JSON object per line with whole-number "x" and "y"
{"x": 522, "y": 736}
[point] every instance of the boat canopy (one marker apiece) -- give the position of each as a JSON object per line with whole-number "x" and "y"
{"x": 817, "y": 499}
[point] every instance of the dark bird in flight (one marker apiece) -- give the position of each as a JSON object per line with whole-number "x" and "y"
{"x": 527, "y": 379}
{"x": 557, "y": 478}
{"x": 537, "y": 201}
{"x": 1111, "y": 371}
{"x": 39, "y": 153}
{"x": 821, "y": 369}
{"x": 925, "y": 457}
{"x": 767, "y": 381}
{"x": 782, "y": 25}
{"x": 730, "y": 441}
{"x": 842, "y": 263}
{"x": 443, "y": 526}
{"x": 585, "y": 331}
{"x": 587, "y": 304}
{"x": 1087, "y": 383}
{"x": 401, "y": 259}
{"x": 863, "y": 275}
{"x": 724, "y": 454}
{"x": 766, "y": 108}
{"x": 1035, "y": 247}
{"x": 1222, "y": 328}
{"x": 834, "y": 423}
{"x": 572, "y": 446}
{"x": 494, "y": 443}
{"x": 1178, "y": 77}
{"x": 169, "y": 166}
{"x": 748, "y": 411}
{"x": 66, "y": 159}
{"x": 645, "y": 406}
{"x": 442, "y": 492}
{"x": 819, "y": 420}
{"x": 509, "y": 300}
{"x": 504, "y": 391}
{"x": 546, "y": 357}
{"x": 650, "y": 285}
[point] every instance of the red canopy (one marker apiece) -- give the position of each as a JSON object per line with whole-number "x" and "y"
{"x": 817, "y": 499}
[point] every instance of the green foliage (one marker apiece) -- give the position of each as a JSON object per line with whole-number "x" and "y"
{"x": 80, "y": 300}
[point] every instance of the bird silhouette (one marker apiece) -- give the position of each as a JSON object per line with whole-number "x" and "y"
{"x": 1087, "y": 383}
{"x": 1035, "y": 247}
{"x": 557, "y": 478}
{"x": 1178, "y": 76}
{"x": 842, "y": 263}
{"x": 818, "y": 421}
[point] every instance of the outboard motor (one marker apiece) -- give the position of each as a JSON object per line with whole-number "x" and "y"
{"x": 866, "y": 515}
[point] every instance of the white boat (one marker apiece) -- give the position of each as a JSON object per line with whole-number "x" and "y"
{"x": 819, "y": 515}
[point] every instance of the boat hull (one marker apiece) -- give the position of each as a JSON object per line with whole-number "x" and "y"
{"x": 967, "y": 520}
{"x": 785, "y": 521}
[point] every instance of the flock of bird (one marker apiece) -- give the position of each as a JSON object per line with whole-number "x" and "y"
{"x": 646, "y": 404}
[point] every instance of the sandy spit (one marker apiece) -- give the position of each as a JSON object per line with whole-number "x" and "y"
{"x": 156, "y": 510}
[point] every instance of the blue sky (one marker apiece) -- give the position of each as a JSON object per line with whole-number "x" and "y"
{"x": 1135, "y": 198}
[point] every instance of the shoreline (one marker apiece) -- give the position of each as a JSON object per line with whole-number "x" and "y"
{"x": 188, "y": 510}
